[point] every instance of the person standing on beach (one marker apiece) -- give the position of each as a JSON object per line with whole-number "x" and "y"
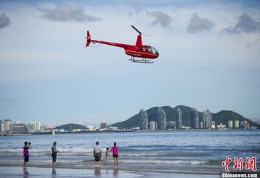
{"x": 115, "y": 150}
{"x": 54, "y": 152}
{"x": 26, "y": 154}
{"x": 107, "y": 155}
{"x": 97, "y": 153}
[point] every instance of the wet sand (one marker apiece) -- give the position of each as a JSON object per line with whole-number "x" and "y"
{"x": 95, "y": 172}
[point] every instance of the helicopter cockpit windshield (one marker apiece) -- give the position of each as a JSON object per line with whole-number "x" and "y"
{"x": 154, "y": 51}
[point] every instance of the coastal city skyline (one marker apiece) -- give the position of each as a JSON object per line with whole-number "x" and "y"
{"x": 142, "y": 114}
{"x": 8, "y": 127}
{"x": 208, "y": 57}
{"x": 160, "y": 115}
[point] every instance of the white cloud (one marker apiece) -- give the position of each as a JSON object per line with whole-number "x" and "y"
{"x": 64, "y": 12}
{"x": 161, "y": 18}
{"x": 198, "y": 24}
{"x": 246, "y": 24}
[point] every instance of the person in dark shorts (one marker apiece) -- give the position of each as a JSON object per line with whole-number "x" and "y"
{"x": 97, "y": 153}
{"x": 26, "y": 154}
{"x": 115, "y": 151}
{"x": 54, "y": 152}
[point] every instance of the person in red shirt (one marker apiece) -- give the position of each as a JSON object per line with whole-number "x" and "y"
{"x": 115, "y": 150}
{"x": 26, "y": 154}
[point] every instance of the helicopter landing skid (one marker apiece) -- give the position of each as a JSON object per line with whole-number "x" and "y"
{"x": 141, "y": 61}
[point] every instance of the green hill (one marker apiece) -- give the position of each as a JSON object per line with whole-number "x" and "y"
{"x": 70, "y": 127}
{"x": 220, "y": 117}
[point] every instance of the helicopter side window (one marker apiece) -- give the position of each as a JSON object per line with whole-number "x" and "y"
{"x": 148, "y": 49}
{"x": 141, "y": 48}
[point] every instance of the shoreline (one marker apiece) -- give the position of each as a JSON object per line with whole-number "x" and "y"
{"x": 96, "y": 171}
{"x": 122, "y": 131}
{"x": 140, "y": 168}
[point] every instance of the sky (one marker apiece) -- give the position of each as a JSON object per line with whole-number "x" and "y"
{"x": 209, "y": 58}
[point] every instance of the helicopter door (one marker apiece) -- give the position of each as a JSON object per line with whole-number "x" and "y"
{"x": 146, "y": 48}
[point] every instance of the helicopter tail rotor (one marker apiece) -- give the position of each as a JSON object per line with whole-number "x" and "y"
{"x": 88, "y": 39}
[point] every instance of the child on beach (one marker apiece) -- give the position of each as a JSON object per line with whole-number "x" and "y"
{"x": 107, "y": 155}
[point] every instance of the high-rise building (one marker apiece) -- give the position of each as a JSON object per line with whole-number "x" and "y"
{"x": 103, "y": 125}
{"x": 161, "y": 119}
{"x": 37, "y": 126}
{"x": 230, "y": 124}
{"x": 207, "y": 119}
{"x": 194, "y": 118}
{"x": 213, "y": 125}
{"x": 244, "y": 125}
{"x": 143, "y": 119}
{"x": 152, "y": 125}
{"x": 236, "y": 124}
{"x": 32, "y": 126}
{"x": 6, "y": 125}
{"x": 19, "y": 128}
{"x": 178, "y": 117}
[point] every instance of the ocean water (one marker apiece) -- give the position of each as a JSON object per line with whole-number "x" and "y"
{"x": 161, "y": 151}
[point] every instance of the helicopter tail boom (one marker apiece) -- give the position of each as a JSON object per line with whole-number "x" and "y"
{"x": 88, "y": 39}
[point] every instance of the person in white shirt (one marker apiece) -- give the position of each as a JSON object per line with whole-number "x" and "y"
{"x": 54, "y": 153}
{"x": 97, "y": 153}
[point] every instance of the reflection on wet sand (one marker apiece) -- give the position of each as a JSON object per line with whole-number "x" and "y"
{"x": 115, "y": 172}
{"x": 25, "y": 173}
{"x": 53, "y": 171}
{"x": 97, "y": 171}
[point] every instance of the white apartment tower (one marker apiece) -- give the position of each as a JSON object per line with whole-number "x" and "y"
{"x": 230, "y": 124}
{"x": 236, "y": 123}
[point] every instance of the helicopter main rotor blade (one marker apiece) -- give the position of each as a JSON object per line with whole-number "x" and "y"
{"x": 136, "y": 29}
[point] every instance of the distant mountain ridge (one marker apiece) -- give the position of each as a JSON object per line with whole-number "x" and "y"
{"x": 70, "y": 127}
{"x": 221, "y": 117}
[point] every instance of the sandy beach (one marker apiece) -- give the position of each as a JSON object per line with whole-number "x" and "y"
{"x": 11, "y": 172}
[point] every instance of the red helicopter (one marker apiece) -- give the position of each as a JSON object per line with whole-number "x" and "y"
{"x": 147, "y": 53}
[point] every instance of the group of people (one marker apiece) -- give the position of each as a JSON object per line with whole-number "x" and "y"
{"x": 97, "y": 154}
{"x": 28, "y": 146}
